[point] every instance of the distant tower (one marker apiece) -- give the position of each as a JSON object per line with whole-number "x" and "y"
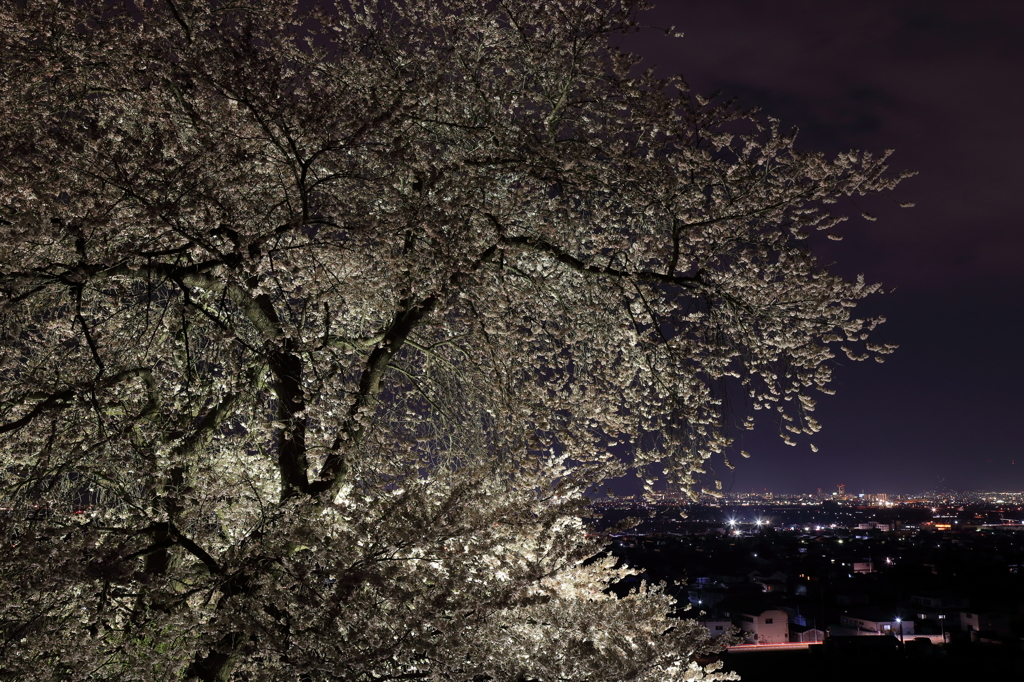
{"x": 820, "y": 496}
{"x": 842, "y": 489}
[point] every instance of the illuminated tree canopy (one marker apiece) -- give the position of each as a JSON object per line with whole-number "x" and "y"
{"x": 319, "y": 323}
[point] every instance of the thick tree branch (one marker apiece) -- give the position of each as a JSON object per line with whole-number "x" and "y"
{"x": 597, "y": 270}
{"x": 286, "y": 366}
{"x": 335, "y": 467}
{"x": 62, "y": 399}
{"x": 351, "y": 433}
{"x": 178, "y": 538}
{"x": 207, "y": 427}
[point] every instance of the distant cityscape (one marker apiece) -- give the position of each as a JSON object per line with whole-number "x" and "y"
{"x": 932, "y": 582}
{"x": 840, "y": 494}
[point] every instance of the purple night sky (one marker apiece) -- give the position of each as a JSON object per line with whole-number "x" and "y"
{"x": 941, "y": 83}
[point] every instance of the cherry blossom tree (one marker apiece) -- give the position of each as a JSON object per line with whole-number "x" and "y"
{"x": 319, "y": 321}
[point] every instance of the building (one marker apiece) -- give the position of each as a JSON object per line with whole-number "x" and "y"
{"x": 863, "y": 566}
{"x": 762, "y": 625}
{"x": 717, "y": 624}
{"x": 988, "y": 621}
{"x": 776, "y": 582}
{"x": 803, "y": 633}
{"x": 872, "y": 621}
{"x": 938, "y": 612}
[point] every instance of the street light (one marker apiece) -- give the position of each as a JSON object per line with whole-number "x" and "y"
{"x": 902, "y": 645}
{"x": 942, "y": 626}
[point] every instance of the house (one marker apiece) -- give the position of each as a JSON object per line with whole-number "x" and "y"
{"x": 872, "y": 621}
{"x": 991, "y": 621}
{"x": 806, "y": 617}
{"x": 804, "y": 633}
{"x": 864, "y": 566}
{"x": 772, "y": 585}
{"x": 704, "y": 591}
{"x": 776, "y": 582}
{"x": 938, "y": 611}
{"x": 717, "y": 624}
{"x": 762, "y": 625}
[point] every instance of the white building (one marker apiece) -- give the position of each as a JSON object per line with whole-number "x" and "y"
{"x": 869, "y": 621}
{"x": 717, "y": 626}
{"x": 762, "y": 626}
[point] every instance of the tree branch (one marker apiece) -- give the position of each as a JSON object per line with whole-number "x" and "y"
{"x": 61, "y": 399}
{"x": 190, "y": 546}
{"x": 292, "y": 462}
{"x": 409, "y": 315}
{"x": 335, "y": 467}
{"x": 607, "y": 271}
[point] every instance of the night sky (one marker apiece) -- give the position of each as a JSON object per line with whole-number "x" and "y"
{"x": 941, "y": 83}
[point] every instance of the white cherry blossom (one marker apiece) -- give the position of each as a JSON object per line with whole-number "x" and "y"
{"x": 318, "y": 324}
